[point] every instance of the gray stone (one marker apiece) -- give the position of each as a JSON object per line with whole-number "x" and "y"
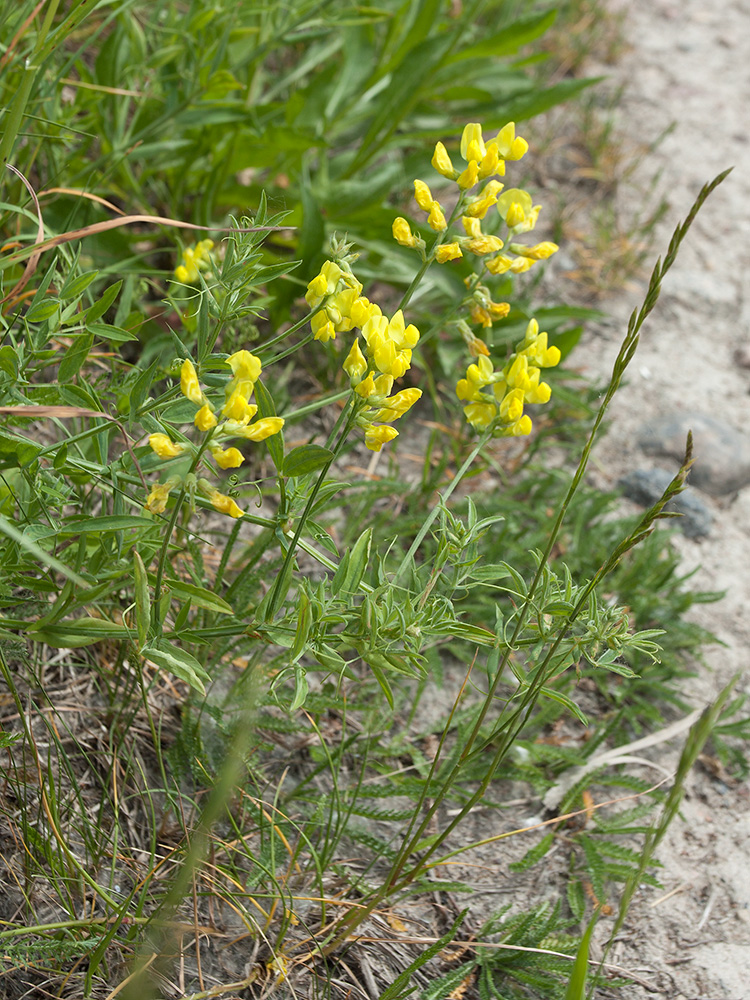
{"x": 722, "y": 454}
{"x": 646, "y": 486}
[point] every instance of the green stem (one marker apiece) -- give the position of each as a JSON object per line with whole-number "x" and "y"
{"x": 347, "y": 417}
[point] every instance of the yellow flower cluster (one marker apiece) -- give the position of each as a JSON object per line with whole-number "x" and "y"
{"x": 518, "y": 383}
{"x": 484, "y": 161}
{"x": 388, "y": 349}
{"x": 236, "y": 415}
{"x": 194, "y": 260}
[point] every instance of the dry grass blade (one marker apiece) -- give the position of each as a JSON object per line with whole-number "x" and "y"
{"x": 40, "y": 244}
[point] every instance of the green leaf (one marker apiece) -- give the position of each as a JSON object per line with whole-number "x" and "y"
{"x": 81, "y": 632}
{"x": 178, "y": 662}
{"x": 352, "y": 567}
{"x": 98, "y": 309}
{"x": 577, "y": 984}
{"x": 509, "y": 40}
{"x": 74, "y": 357}
{"x": 300, "y": 690}
{"x": 304, "y": 459}
{"x": 113, "y": 333}
{"x": 111, "y": 522}
{"x": 200, "y": 597}
{"x": 74, "y": 287}
{"x": 42, "y": 310}
{"x": 9, "y": 361}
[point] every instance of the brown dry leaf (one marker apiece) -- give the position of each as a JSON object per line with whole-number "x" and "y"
{"x": 462, "y": 987}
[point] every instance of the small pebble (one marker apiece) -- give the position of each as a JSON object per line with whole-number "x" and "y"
{"x": 646, "y": 486}
{"x": 722, "y": 454}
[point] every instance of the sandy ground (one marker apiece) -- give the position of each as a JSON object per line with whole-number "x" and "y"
{"x": 689, "y": 63}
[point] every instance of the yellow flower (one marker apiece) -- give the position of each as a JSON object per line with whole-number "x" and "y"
{"x": 521, "y": 265}
{"x": 511, "y": 407}
{"x": 260, "y": 430}
{"x": 472, "y": 226}
{"x": 323, "y": 284}
{"x": 541, "y": 251}
{"x": 441, "y": 161}
{"x": 396, "y": 406}
{"x": 484, "y": 244}
{"x": 534, "y": 346}
{"x": 515, "y": 204}
{"x": 468, "y": 178}
{"x": 204, "y": 418}
{"x": 165, "y": 447}
{"x": 472, "y": 143}
{"x": 246, "y": 369}
{"x": 219, "y": 501}
{"x": 366, "y": 387}
{"x": 448, "y": 251}
{"x": 480, "y": 415}
{"x": 499, "y": 264}
{"x": 479, "y": 207}
{"x": 423, "y": 195}
{"x": 194, "y": 260}
{"x": 510, "y": 146}
{"x": 355, "y": 364}
{"x": 402, "y": 233}
{"x": 229, "y": 458}
{"x": 480, "y": 315}
{"x": 376, "y": 437}
{"x": 362, "y": 310}
{"x": 157, "y": 498}
{"x": 402, "y": 335}
{"x": 491, "y": 163}
{"x": 189, "y": 384}
{"x": 436, "y": 219}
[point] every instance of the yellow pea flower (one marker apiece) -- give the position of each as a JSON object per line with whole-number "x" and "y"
{"x": 491, "y": 162}
{"x": 516, "y": 203}
{"x": 189, "y": 384}
{"x": 472, "y": 143}
{"x": 402, "y": 233}
{"x": 165, "y": 447}
{"x": 376, "y": 437}
{"x": 157, "y": 498}
{"x": 472, "y": 226}
{"x": 194, "y": 260}
{"x": 448, "y": 251}
{"x": 366, "y": 387}
{"x": 205, "y": 419}
{"x": 423, "y": 195}
{"x": 220, "y": 502}
{"x": 511, "y": 407}
{"x": 541, "y": 251}
{"x": 261, "y": 429}
{"x": 484, "y": 244}
{"x": 499, "y": 264}
{"x": 480, "y": 415}
{"x": 468, "y": 178}
{"x": 441, "y": 161}
{"x": 396, "y": 406}
{"x": 510, "y": 146}
{"x": 229, "y": 458}
{"x": 436, "y": 219}
{"x": 355, "y": 364}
